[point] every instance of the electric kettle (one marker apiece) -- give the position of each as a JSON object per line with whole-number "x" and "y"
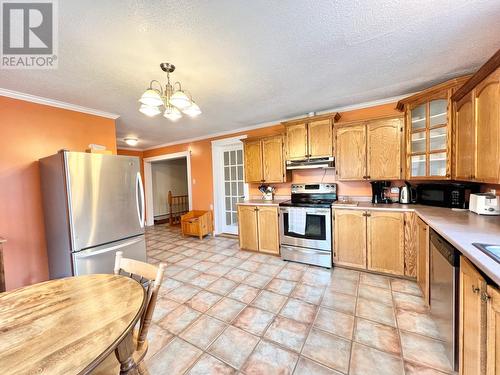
{"x": 404, "y": 193}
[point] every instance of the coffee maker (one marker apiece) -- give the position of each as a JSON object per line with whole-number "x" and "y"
{"x": 379, "y": 190}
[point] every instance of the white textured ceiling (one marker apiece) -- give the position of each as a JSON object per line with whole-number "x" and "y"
{"x": 249, "y": 62}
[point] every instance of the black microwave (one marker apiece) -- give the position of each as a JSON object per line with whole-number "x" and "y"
{"x": 446, "y": 195}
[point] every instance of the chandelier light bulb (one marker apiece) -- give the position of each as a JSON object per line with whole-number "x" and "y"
{"x": 180, "y": 100}
{"x": 149, "y": 110}
{"x": 172, "y": 113}
{"x": 152, "y": 98}
{"x": 193, "y": 110}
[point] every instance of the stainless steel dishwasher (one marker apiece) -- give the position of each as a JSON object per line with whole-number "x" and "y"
{"x": 444, "y": 275}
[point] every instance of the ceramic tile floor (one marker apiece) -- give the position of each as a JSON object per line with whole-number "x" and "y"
{"x": 226, "y": 311}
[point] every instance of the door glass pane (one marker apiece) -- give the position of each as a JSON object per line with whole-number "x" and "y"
{"x": 418, "y": 165}
{"x": 438, "y": 139}
{"x": 418, "y": 117}
{"x": 437, "y": 164}
{"x": 437, "y": 109}
{"x": 418, "y": 142}
{"x": 233, "y": 185}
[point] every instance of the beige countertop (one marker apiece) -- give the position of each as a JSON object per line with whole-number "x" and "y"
{"x": 461, "y": 228}
{"x": 261, "y": 202}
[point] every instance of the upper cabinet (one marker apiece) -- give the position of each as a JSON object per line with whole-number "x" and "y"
{"x": 476, "y": 107}
{"x": 310, "y": 137}
{"x": 369, "y": 150}
{"x": 429, "y": 131}
{"x": 263, "y": 160}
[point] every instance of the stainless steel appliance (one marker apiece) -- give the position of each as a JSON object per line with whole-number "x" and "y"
{"x": 407, "y": 194}
{"x": 93, "y": 207}
{"x": 444, "y": 279}
{"x": 485, "y": 204}
{"x": 452, "y": 195}
{"x": 306, "y": 224}
{"x": 380, "y": 191}
{"x": 310, "y": 163}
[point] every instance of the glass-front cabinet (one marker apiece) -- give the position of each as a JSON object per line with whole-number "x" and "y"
{"x": 428, "y": 131}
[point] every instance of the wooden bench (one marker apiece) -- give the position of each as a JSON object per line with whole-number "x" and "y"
{"x": 197, "y": 223}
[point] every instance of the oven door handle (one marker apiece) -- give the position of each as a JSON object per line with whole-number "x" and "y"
{"x": 309, "y": 210}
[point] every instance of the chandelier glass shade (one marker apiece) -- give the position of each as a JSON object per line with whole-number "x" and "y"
{"x": 171, "y": 97}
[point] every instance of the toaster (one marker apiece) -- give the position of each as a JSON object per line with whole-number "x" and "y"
{"x": 484, "y": 204}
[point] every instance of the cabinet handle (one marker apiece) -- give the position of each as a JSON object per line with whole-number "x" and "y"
{"x": 368, "y": 177}
{"x": 448, "y": 175}
{"x": 485, "y": 297}
{"x": 475, "y": 289}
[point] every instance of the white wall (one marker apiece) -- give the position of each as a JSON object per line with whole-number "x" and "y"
{"x": 168, "y": 175}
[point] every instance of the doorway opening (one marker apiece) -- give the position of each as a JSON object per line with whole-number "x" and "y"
{"x": 168, "y": 187}
{"x": 229, "y": 185}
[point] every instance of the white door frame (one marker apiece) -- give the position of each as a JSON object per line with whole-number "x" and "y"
{"x": 218, "y": 172}
{"x": 148, "y": 181}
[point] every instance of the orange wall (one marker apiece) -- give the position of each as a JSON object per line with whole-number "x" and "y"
{"x": 201, "y": 160}
{"x": 31, "y": 131}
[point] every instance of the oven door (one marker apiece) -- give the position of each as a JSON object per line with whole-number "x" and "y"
{"x": 318, "y": 229}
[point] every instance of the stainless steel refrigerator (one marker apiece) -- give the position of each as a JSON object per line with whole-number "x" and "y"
{"x": 93, "y": 207}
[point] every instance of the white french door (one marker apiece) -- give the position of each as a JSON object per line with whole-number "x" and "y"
{"x": 229, "y": 187}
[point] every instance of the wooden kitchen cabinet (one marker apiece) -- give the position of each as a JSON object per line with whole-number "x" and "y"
{"x": 493, "y": 331}
{"x": 384, "y": 149}
{"x": 247, "y": 227}
{"x": 411, "y": 243}
{"x": 310, "y": 137}
{"x": 423, "y": 266}
{"x": 268, "y": 231}
{"x": 296, "y": 141}
{"x": 320, "y": 138}
{"x": 464, "y": 152}
{"x": 351, "y": 152}
{"x": 428, "y": 137}
{"x": 385, "y": 239}
{"x": 472, "y": 316}
{"x": 350, "y": 238}
{"x": 369, "y": 150}
{"x": 264, "y": 160}
{"x": 487, "y": 111}
{"x": 258, "y": 228}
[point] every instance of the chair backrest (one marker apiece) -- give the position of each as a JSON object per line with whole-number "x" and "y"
{"x": 146, "y": 272}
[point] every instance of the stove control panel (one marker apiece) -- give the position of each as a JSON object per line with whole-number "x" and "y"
{"x": 327, "y": 188}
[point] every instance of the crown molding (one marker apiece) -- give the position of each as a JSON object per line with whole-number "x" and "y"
{"x": 393, "y": 99}
{"x": 56, "y": 103}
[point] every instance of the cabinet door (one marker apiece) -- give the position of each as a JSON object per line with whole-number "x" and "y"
{"x": 268, "y": 230}
{"x": 386, "y": 242}
{"x": 320, "y": 138}
{"x": 423, "y": 267}
{"x": 471, "y": 319}
{"x": 464, "y": 138}
{"x": 296, "y": 141}
{"x": 411, "y": 243}
{"x": 351, "y": 152}
{"x": 350, "y": 238}
{"x": 253, "y": 161}
{"x": 272, "y": 159}
{"x": 247, "y": 227}
{"x": 493, "y": 332}
{"x": 384, "y": 149}
{"x": 487, "y": 110}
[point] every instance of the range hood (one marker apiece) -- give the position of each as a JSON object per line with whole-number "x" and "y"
{"x": 310, "y": 163}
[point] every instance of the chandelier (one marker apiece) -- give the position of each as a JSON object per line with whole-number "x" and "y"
{"x": 172, "y": 98}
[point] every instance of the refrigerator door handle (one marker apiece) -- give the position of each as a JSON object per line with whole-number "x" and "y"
{"x": 90, "y": 253}
{"x": 140, "y": 195}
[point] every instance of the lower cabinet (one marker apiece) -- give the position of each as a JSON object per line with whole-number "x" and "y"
{"x": 423, "y": 259}
{"x": 479, "y": 323}
{"x": 386, "y": 242}
{"x": 371, "y": 240}
{"x": 350, "y": 238}
{"x": 258, "y": 228}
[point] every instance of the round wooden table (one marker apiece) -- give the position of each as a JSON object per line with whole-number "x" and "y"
{"x": 68, "y": 326}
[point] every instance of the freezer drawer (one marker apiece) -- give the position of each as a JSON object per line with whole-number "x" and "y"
{"x": 101, "y": 259}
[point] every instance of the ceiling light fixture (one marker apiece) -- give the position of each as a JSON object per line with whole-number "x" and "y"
{"x": 173, "y": 98}
{"x": 131, "y": 141}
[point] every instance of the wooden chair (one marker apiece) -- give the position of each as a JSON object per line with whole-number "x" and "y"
{"x": 151, "y": 278}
